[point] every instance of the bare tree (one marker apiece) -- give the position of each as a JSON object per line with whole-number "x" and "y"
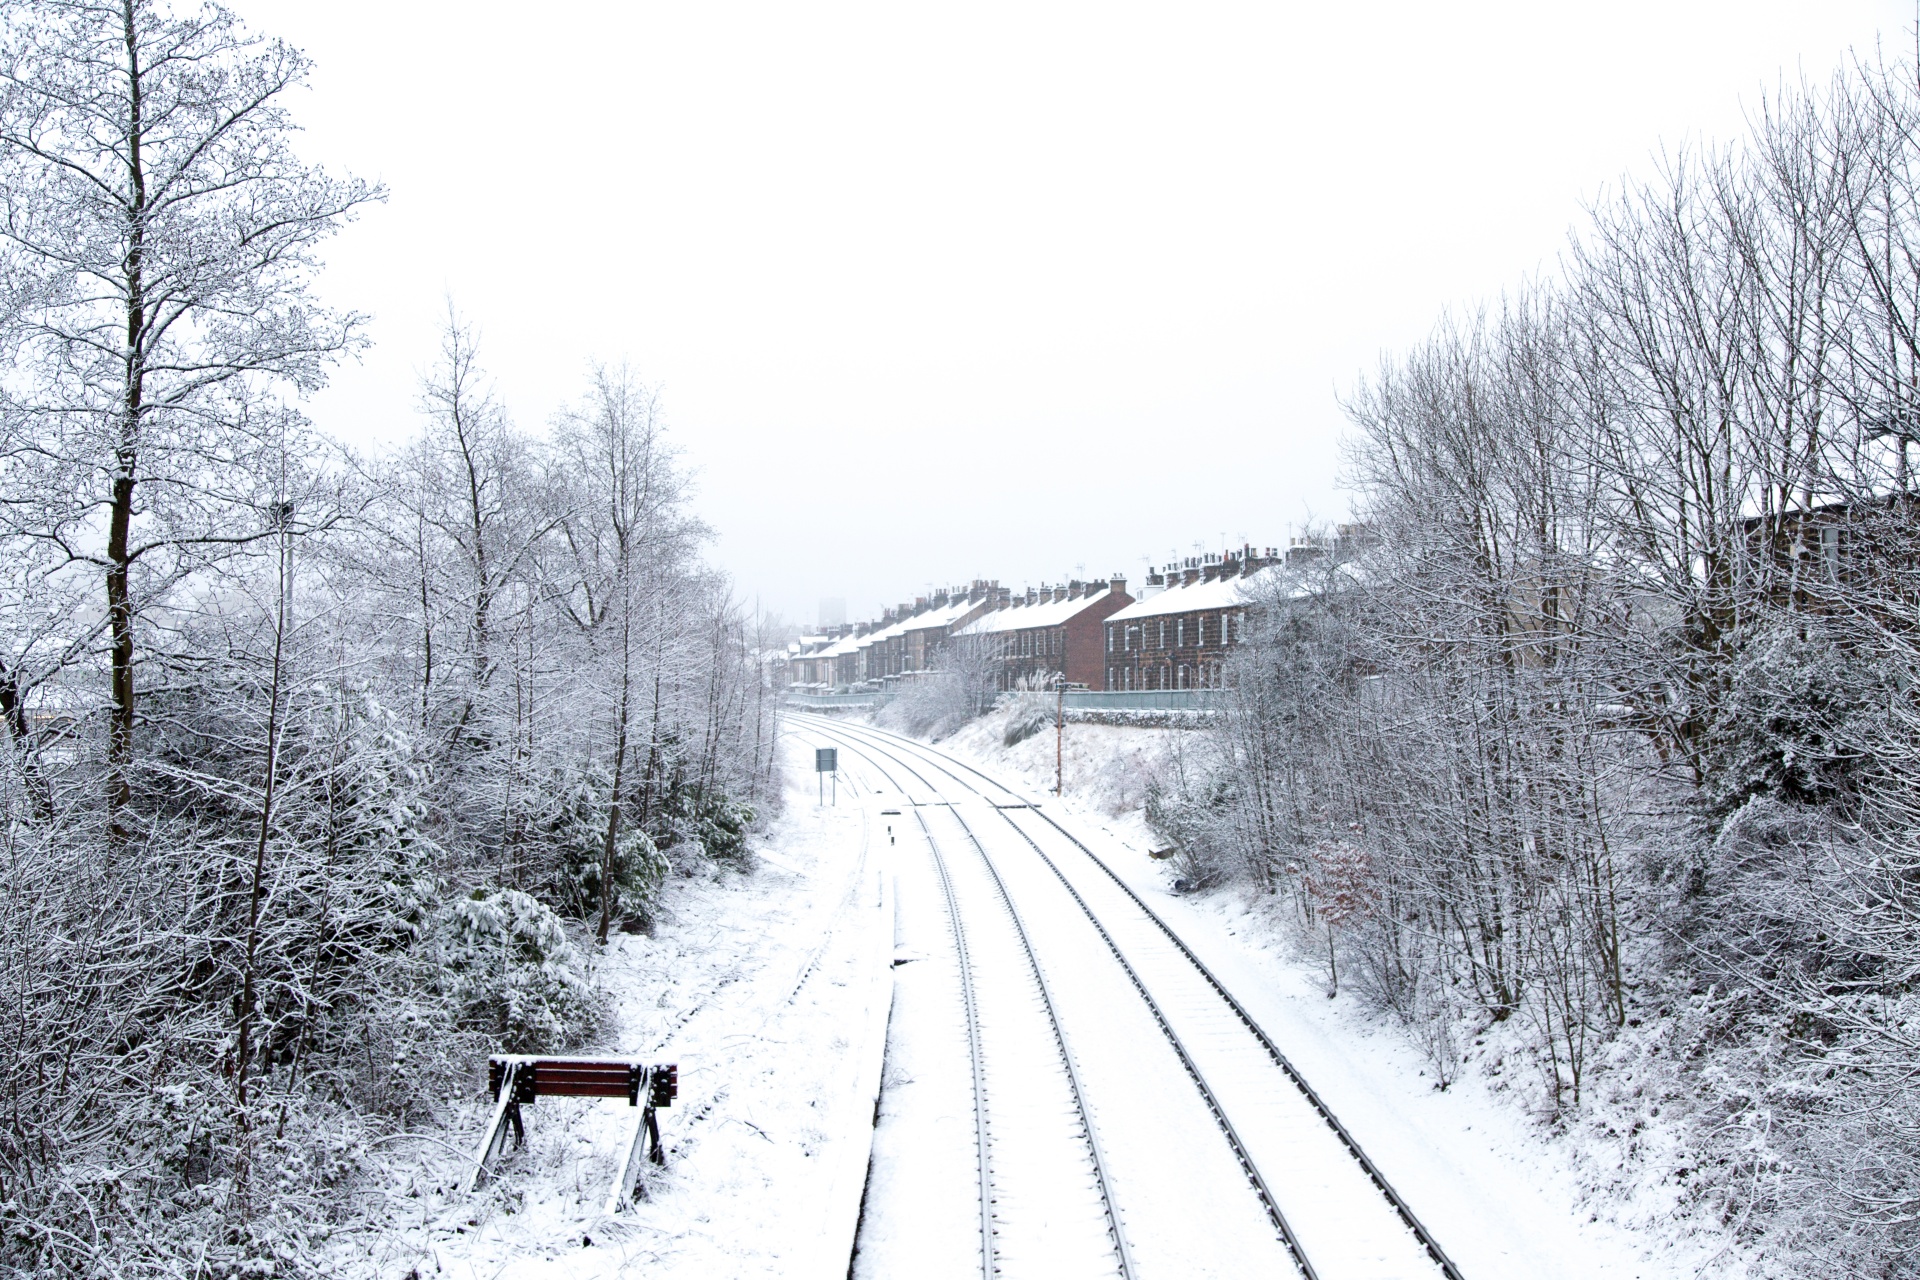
{"x": 1611, "y": 725}
{"x": 160, "y": 237}
{"x": 627, "y": 541}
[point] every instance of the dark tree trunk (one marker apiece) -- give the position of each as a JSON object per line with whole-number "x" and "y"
{"x": 126, "y": 460}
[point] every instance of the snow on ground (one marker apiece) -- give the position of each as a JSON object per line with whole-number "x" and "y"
{"x": 770, "y": 990}
{"x": 1509, "y": 1198}
{"x": 1106, "y": 768}
{"x": 923, "y": 1201}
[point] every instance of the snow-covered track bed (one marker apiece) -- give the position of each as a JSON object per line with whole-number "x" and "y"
{"x": 1165, "y": 1054}
{"x": 1045, "y": 1207}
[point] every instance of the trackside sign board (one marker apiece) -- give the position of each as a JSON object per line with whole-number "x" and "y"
{"x": 826, "y": 759}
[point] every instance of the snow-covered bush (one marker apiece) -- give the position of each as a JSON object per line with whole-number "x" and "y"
{"x": 703, "y": 824}
{"x": 930, "y": 704}
{"x": 568, "y": 844}
{"x": 1193, "y": 816}
{"x": 1025, "y": 712}
{"x": 1796, "y": 719}
{"x": 512, "y": 972}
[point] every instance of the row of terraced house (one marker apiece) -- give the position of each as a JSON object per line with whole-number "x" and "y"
{"x": 1175, "y": 635}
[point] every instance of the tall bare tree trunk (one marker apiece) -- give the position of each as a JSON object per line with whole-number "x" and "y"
{"x": 13, "y": 709}
{"x": 126, "y": 459}
{"x": 243, "y": 1042}
{"x": 619, "y": 775}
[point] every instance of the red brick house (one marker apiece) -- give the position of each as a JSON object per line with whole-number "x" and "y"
{"x": 927, "y": 631}
{"x": 1178, "y": 634}
{"x": 1048, "y": 632}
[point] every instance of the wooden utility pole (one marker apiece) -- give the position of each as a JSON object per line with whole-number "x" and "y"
{"x": 1059, "y": 732}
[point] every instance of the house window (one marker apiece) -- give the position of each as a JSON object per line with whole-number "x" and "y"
{"x": 1180, "y": 633}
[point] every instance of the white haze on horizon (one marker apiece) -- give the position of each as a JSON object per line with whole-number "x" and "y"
{"x": 1009, "y": 290}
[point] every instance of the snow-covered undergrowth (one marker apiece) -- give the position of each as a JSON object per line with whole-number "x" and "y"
{"x": 1615, "y": 1183}
{"x": 1108, "y": 767}
{"x": 762, "y": 986}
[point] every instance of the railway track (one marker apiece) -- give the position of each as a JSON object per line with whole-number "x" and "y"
{"x": 1023, "y": 1075}
{"x": 1329, "y": 1207}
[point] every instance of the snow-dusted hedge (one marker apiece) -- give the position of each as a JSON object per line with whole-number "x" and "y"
{"x": 512, "y": 972}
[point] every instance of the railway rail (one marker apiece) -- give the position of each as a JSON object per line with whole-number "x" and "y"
{"x": 1260, "y": 1103}
{"x": 1022, "y": 1138}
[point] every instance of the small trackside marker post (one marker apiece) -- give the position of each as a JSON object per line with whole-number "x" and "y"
{"x": 826, "y": 760}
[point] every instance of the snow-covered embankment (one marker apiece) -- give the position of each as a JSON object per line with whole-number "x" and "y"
{"x": 771, "y": 991}
{"x": 1510, "y": 1198}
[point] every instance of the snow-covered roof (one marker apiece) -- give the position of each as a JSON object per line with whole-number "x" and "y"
{"x": 1271, "y": 584}
{"x": 943, "y": 616}
{"x": 1022, "y": 616}
{"x": 854, "y": 643}
{"x": 1221, "y": 593}
{"x": 885, "y": 633}
{"x": 844, "y": 645}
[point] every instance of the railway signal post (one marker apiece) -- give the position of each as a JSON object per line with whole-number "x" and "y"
{"x": 826, "y": 760}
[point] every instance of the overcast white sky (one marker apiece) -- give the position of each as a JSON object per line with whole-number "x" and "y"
{"x": 997, "y": 290}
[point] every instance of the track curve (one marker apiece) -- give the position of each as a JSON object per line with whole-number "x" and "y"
{"x": 1342, "y": 1232}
